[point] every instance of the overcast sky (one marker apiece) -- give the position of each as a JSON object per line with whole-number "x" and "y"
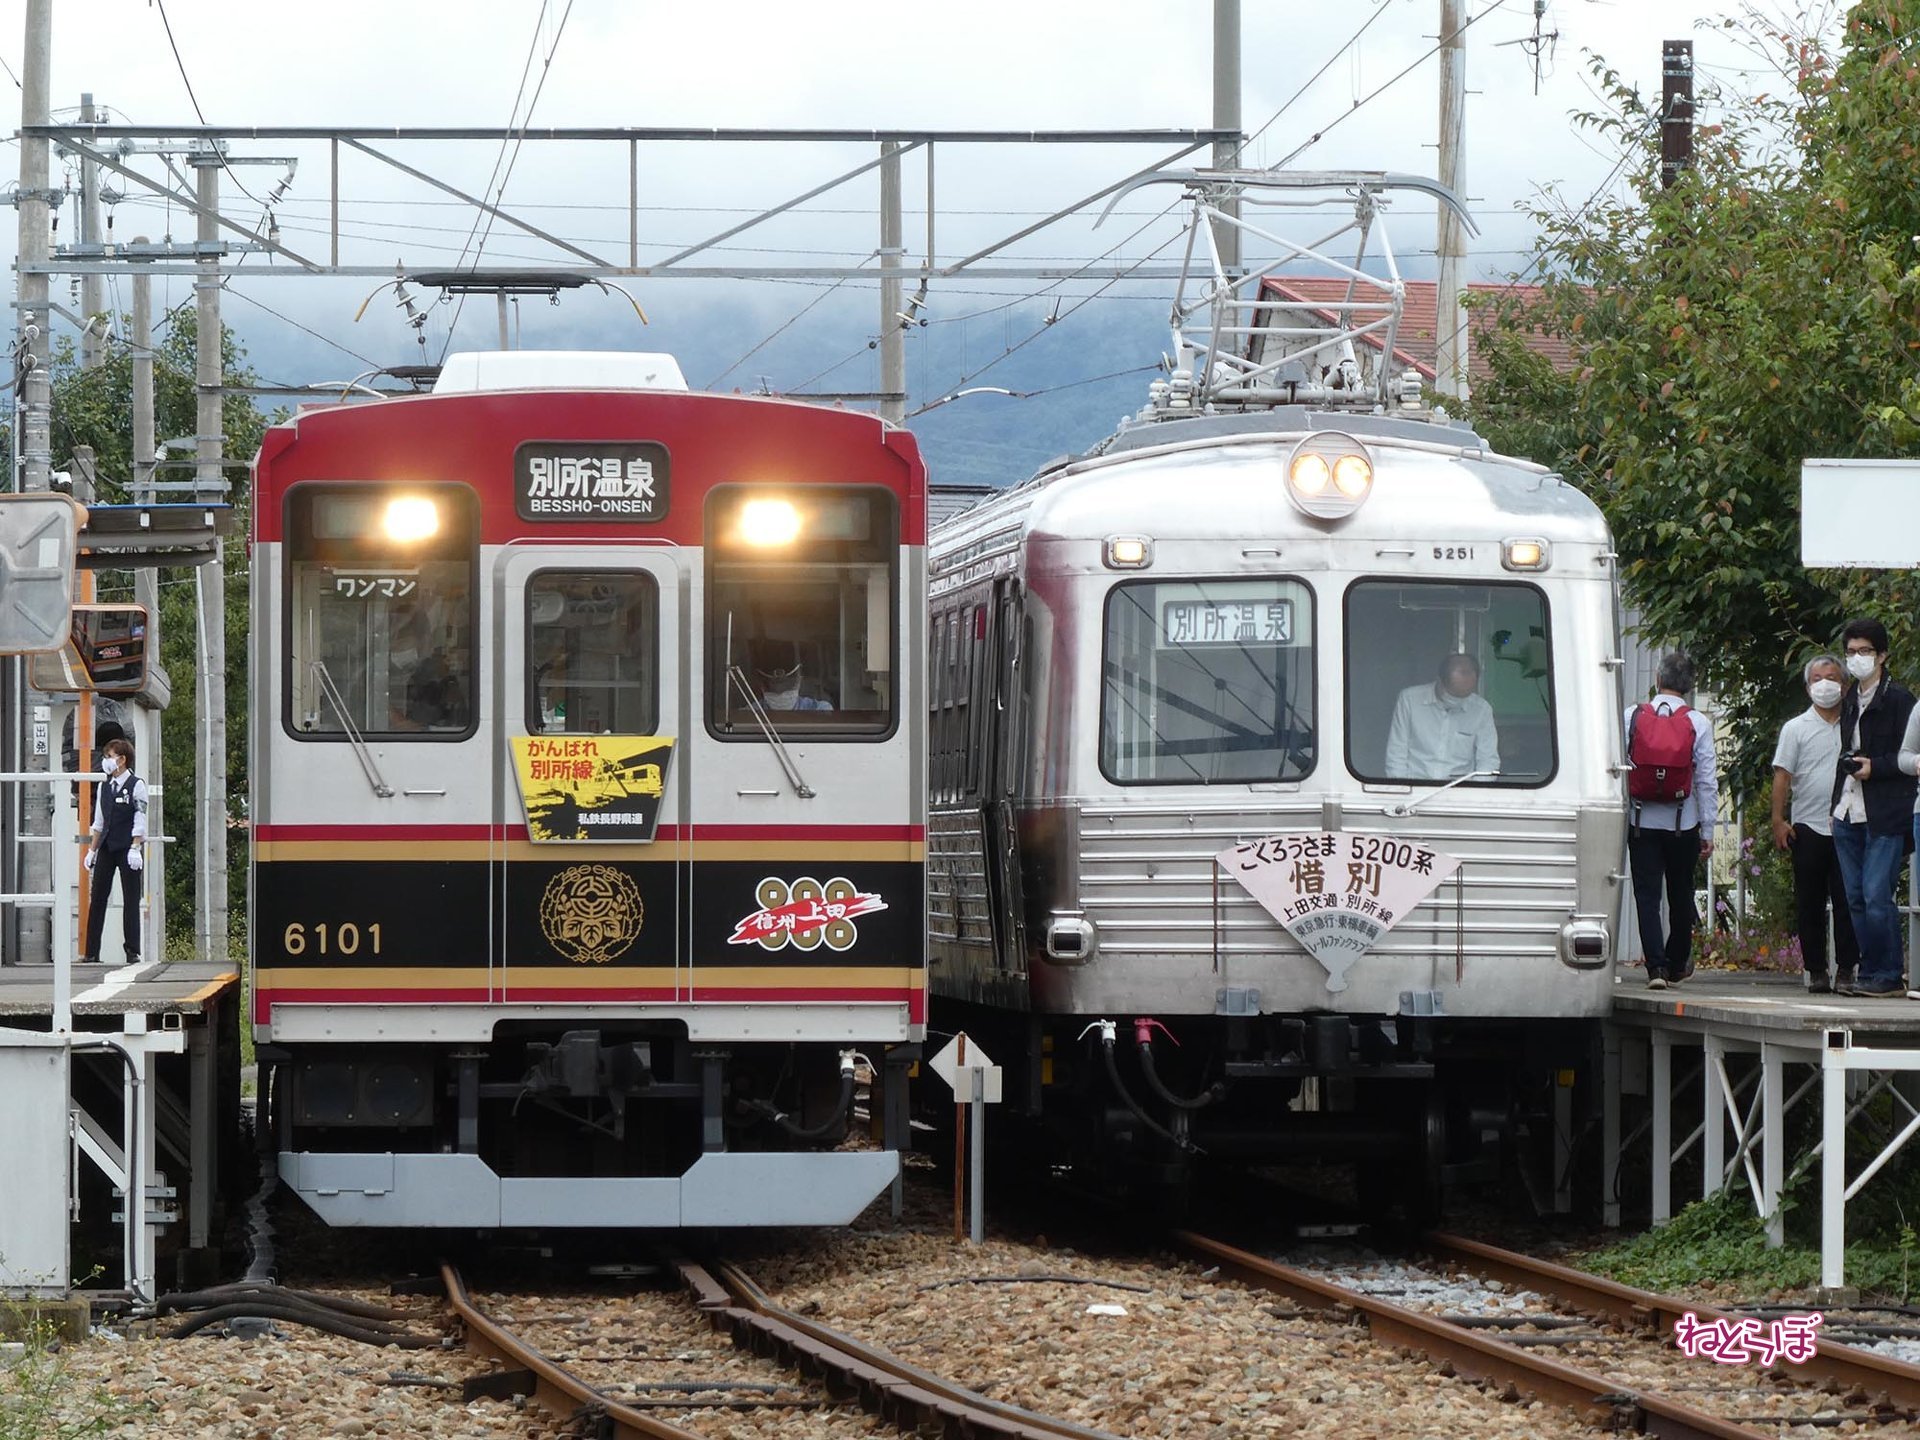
{"x": 988, "y": 64}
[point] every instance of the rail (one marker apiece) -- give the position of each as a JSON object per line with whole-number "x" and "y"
{"x": 901, "y": 1393}
{"x": 556, "y": 1389}
{"x": 1845, "y": 1365}
{"x": 1474, "y": 1355}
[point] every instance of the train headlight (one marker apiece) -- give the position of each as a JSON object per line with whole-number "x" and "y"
{"x": 409, "y": 518}
{"x": 768, "y": 524}
{"x": 1525, "y": 555}
{"x": 1329, "y": 475}
{"x": 1129, "y": 552}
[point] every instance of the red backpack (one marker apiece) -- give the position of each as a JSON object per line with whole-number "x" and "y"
{"x": 1660, "y": 748}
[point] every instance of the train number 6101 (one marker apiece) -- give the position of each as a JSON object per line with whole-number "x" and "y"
{"x": 346, "y": 939}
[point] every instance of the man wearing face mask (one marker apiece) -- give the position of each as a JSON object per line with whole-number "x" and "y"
{"x": 1444, "y": 730}
{"x": 119, "y": 846}
{"x": 1803, "y": 767}
{"x": 1873, "y": 804}
{"x": 776, "y": 664}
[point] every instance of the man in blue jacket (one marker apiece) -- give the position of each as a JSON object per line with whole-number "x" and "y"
{"x": 1873, "y": 805}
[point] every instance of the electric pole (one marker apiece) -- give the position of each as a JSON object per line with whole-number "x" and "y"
{"x": 893, "y": 331}
{"x": 23, "y": 869}
{"x": 210, "y": 682}
{"x": 1450, "y": 319}
{"x": 93, "y": 341}
{"x": 1226, "y": 116}
{"x": 1676, "y": 110}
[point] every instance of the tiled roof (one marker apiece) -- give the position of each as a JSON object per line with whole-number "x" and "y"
{"x": 1414, "y": 345}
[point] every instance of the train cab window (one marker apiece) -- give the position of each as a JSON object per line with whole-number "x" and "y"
{"x": 593, "y": 653}
{"x": 802, "y": 585}
{"x": 381, "y": 612}
{"x": 1208, "y": 682}
{"x": 1446, "y": 681}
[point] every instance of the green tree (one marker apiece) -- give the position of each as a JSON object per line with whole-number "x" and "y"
{"x": 95, "y": 407}
{"x": 1763, "y": 310}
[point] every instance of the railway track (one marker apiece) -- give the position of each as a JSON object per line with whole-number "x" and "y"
{"x": 1613, "y": 1357}
{"x": 835, "y": 1370}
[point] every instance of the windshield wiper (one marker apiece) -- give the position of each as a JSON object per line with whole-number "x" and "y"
{"x": 737, "y": 679}
{"x": 1402, "y": 811}
{"x": 318, "y": 669}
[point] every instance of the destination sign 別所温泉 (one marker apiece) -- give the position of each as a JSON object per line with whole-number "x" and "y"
{"x": 1337, "y": 892}
{"x": 592, "y": 787}
{"x": 572, "y": 480}
{"x": 1227, "y": 622}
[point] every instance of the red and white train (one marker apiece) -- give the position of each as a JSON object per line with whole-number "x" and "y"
{"x": 588, "y": 798}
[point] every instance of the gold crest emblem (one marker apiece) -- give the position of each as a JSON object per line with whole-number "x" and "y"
{"x": 591, "y": 913}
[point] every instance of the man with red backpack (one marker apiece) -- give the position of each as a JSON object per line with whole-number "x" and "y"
{"x": 1673, "y": 799}
{"x": 1873, "y": 805}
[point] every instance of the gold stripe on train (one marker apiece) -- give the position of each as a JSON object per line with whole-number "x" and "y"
{"x": 664, "y": 851}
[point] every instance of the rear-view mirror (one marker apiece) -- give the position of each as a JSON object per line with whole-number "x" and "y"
{"x": 105, "y": 650}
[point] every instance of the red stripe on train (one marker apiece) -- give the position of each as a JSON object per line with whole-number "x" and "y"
{"x": 289, "y": 833}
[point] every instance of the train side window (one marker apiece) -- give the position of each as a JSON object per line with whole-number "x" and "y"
{"x": 593, "y": 653}
{"x": 1445, "y": 680}
{"x": 802, "y": 586}
{"x": 381, "y": 612}
{"x": 1208, "y": 682}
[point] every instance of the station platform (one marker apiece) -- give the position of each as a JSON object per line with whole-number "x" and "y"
{"x": 153, "y": 987}
{"x": 135, "y": 1069}
{"x": 1742, "y": 1038}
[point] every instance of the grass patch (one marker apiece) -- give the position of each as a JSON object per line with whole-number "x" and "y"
{"x": 1719, "y": 1244}
{"x": 41, "y": 1400}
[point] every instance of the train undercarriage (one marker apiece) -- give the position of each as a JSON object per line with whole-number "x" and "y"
{"x": 1418, "y": 1110}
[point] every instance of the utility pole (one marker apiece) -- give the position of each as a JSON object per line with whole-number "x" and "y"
{"x": 146, "y": 579}
{"x": 1676, "y": 110}
{"x": 1450, "y": 320}
{"x": 21, "y": 869}
{"x": 1226, "y": 116}
{"x": 210, "y": 580}
{"x": 93, "y": 342}
{"x": 893, "y": 332}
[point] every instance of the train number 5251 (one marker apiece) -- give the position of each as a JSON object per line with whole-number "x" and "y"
{"x": 327, "y": 939}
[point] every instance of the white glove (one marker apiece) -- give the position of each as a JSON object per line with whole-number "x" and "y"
{"x": 136, "y": 860}
{"x": 87, "y": 859}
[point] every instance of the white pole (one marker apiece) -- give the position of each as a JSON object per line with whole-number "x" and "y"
{"x": 210, "y": 781}
{"x": 1450, "y": 325}
{"x": 1226, "y": 116}
{"x": 893, "y": 335}
{"x": 978, "y": 1228}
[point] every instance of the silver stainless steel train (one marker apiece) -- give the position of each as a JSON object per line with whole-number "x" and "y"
{"x": 1275, "y": 757}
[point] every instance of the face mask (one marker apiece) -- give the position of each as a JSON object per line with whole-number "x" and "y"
{"x": 1452, "y": 701}
{"x": 106, "y": 764}
{"x": 1861, "y": 667}
{"x": 781, "y": 699}
{"x": 1824, "y": 693}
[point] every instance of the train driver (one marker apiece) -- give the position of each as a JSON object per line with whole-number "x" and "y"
{"x": 777, "y": 668}
{"x": 1444, "y": 730}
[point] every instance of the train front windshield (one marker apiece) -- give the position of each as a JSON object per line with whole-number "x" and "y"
{"x": 1449, "y": 682}
{"x": 381, "y": 614}
{"x": 801, "y": 587}
{"x": 1208, "y": 682}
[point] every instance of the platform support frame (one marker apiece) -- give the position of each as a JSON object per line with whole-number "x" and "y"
{"x": 1747, "y": 1094}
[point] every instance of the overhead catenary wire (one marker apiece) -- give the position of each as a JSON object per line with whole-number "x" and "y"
{"x": 1380, "y": 90}
{"x": 486, "y": 231}
{"x": 194, "y": 100}
{"x": 1352, "y": 40}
